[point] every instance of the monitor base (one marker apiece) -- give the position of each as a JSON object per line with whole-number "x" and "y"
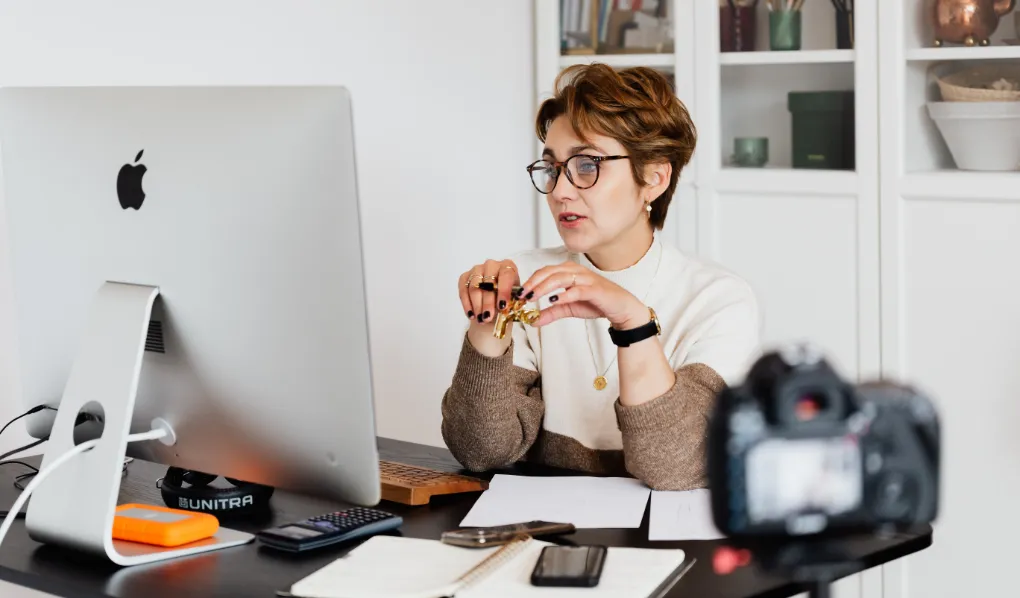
{"x": 74, "y": 507}
{"x": 134, "y": 553}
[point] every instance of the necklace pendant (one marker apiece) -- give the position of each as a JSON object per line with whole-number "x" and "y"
{"x": 600, "y": 383}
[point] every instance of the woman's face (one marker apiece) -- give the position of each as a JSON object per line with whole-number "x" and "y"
{"x": 608, "y": 212}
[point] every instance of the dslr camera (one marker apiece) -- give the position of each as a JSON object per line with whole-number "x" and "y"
{"x": 797, "y": 452}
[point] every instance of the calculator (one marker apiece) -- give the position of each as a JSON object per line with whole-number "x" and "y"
{"x": 328, "y": 529}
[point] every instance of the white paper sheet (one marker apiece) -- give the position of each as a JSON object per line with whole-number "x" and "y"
{"x": 587, "y": 502}
{"x": 682, "y": 516}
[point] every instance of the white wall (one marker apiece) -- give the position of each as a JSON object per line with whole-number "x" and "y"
{"x": 443, "y": 100}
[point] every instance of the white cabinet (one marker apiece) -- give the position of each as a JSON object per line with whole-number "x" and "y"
{"x": 950, "y": 317}
{"x": 904, "y": 266}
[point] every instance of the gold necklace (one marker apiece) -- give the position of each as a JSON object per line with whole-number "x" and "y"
{"x": 600, "y": 382}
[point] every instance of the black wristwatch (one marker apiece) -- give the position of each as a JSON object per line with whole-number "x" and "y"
{"x": 625, "y": 338}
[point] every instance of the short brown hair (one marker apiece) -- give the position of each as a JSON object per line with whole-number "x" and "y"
{"x": 636, "y": 106}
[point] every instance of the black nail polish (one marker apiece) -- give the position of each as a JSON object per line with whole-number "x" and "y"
{"x": 471, "y": 314}
{"x": 485, "y": 316}
{"x": 530, "y": 295}
{"x": 479, "y": 318}
{"x": 502, "y": 304}
{"x": 554, "y": 298}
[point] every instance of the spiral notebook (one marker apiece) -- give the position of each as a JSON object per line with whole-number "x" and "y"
{"x": 396, "y": 567}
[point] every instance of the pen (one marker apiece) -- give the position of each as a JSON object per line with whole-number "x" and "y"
{"x": 670, "y": 581}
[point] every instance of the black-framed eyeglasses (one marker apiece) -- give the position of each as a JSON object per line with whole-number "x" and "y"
{"x": 582, "y": 171}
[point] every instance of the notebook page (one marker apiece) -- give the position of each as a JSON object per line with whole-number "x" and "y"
{"x": 392, "y": 567}
{"x": 627, "y": 573}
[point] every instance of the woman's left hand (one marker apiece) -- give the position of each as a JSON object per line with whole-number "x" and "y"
{"x": 586, "y": 295}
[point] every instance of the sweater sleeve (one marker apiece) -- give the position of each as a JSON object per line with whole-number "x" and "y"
{"x": 665, "y": 439}
{"x": 492, "y": 411}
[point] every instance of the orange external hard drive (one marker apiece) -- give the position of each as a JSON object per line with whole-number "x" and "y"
{"x": 161, "y": 526}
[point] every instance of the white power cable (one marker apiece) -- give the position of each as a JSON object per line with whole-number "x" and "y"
{"x": 45, "y": 471}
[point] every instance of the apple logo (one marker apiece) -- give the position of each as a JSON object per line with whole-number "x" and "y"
{"x": 129, "y": 184}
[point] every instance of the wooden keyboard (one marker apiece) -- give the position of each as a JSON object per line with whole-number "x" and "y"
{"x": 413, "y": 485}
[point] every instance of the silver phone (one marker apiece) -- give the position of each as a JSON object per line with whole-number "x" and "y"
{"x": 483, "y": 537}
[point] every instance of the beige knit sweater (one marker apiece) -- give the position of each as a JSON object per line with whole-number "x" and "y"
{"x": 537, "y": 402}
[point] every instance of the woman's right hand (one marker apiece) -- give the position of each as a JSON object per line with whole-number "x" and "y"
{"x": 481, "y": 305}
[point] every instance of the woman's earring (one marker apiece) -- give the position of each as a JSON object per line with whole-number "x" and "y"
{"x": 648, "y": 208}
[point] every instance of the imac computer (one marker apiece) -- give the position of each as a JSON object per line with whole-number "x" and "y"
{"x": 190, "y": 256}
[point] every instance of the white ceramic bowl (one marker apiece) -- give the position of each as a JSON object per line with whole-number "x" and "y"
{"x": 980, "y": 135}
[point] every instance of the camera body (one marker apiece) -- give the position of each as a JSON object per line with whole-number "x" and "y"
{"x": 795, "y": 451}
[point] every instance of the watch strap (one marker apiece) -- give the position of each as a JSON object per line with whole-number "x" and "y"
{"x": 625, "y": 338}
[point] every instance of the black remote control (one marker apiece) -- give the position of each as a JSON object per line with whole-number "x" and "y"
{"x": 328, "y": 529}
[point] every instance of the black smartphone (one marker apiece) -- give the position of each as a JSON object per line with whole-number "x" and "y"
{"x": 569, "y": 566}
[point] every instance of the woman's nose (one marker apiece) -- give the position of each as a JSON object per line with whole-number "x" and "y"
{"x": 564, "y": 190}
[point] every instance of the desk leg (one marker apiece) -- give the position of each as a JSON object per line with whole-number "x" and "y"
{"x": 819, "y": 589}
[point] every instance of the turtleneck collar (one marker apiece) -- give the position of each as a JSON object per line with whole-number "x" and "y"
{"x": 636, "y": 278}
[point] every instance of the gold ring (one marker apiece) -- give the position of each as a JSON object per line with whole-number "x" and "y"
{"x": 573, "y": 280}
{"x": 489, "y": 278}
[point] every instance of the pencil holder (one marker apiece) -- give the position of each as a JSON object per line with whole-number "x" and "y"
{"x": 784, "y": 30}
{"x": 845, "y": 29}
{"x": 737, "y": 28}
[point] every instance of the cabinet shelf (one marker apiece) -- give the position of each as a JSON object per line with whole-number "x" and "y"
{"x": 962, "y": 184}
{"x": 964, "y": 53}
{"x": 797, "y": 57}
{"x": 787, "y": 180}
{"x": 620, "y": 60}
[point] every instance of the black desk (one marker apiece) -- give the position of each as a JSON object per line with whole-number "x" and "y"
{"x": 255, "y": 571}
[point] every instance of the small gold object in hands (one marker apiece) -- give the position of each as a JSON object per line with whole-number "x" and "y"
{"x": 514, "y": 312}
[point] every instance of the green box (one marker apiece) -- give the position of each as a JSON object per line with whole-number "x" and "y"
{"x": 823, "y": 129}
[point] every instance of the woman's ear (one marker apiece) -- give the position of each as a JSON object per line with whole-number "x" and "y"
{"x": 657, "y": 178}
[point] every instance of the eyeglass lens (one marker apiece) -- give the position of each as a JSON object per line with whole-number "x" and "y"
{"x": 581, "y": 170}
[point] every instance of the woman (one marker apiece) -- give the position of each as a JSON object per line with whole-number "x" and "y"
{"x": 635, "y": 339}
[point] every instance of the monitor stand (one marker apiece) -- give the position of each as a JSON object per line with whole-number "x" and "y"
{"x": 74, "y": 506}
